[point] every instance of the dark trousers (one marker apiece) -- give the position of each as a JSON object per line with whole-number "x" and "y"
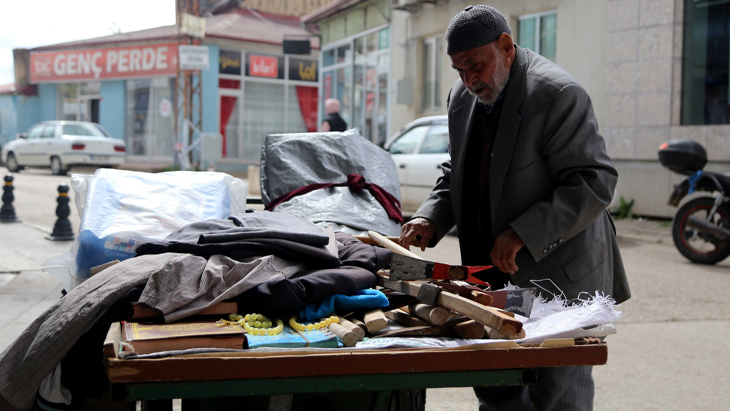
{"x": 557, "y": 389}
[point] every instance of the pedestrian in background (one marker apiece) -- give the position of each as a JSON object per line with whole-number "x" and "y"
{"x": 332, "y": 120}
{"x": 527, "y": 186}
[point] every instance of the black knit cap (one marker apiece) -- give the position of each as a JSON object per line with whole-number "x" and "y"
{"x": 475, "y": 26}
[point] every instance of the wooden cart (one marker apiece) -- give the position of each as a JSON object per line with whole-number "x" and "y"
{"x": 338, "y": 379}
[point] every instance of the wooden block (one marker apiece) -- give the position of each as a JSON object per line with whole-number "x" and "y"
{"x": 493, "y": 334}
{"x": 401, "y": 317}
{"x": 469, "y": 329}
{"x": 359, "y": 323}
{"x": 359, "y": 332}
{"x": 375, "y": 320}
{"x": 481, "y": 298}
{"x": 434, "y": 315}
{"x": 347, "y": 337}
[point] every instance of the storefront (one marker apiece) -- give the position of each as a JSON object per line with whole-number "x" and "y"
{"x": 127, "y": 83}
{"x": 355, "y": 61}
{"x": 268, "y": 94}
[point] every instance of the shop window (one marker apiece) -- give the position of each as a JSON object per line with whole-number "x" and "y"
{"x": 538, "y": 33}
{"x": 262, "y": 115}
{"x": 68, "y": 94}
{"x": 149, "y": 120}
{"x": 431, "y": 98}
{"x": 706, "y": 63}
{"x": 79, "y": 101}
{"x": 357, "y": 74}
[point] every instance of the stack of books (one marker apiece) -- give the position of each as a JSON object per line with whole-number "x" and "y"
{"x": 146, "y": 338}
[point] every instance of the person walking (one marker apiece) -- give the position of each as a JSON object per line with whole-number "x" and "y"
{"x": 527, "y": 187}
{"x": 332, "y": 120}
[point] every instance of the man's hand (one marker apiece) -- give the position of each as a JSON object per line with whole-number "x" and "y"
{"x": 505, "y": 250}
{"x": 418, "y": 226}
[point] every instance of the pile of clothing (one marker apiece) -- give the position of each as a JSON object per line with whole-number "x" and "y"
{"x": 271, "y": 262}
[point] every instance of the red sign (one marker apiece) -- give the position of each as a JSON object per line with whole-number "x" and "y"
{"x": 107, "y": 63}
{"x": 262, "y": 66}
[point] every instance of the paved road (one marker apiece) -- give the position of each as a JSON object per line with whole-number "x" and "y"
{"x": 669, "y": 352}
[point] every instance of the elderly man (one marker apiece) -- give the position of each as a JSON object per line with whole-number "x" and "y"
{"x": 332, "y": 120}
{"x": 527, "y": 186}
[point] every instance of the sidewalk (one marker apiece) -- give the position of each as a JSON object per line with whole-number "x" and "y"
{"x": 25, "y": 292}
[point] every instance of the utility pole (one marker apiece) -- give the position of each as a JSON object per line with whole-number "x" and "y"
{"x": 188, "y": 83}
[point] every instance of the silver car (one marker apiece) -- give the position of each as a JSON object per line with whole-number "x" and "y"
{"x": 418, "y": 151}
{"x": 63, "y": 144}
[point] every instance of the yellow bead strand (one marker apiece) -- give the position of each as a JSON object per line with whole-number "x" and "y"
{"x": 257, "y": 324}
{"x": 313, "y": 326}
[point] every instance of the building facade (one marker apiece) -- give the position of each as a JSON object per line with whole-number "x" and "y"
{"x": 356, "y": 63}
{"x": 127, "y": 83}
{"x": 656, "y": 70}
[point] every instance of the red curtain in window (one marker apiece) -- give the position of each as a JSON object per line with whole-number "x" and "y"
{"x": 227, "y": 105}
{"x": 308, "y": 97}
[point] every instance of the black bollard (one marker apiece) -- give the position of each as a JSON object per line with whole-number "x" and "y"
{"x": 62, "y": 230}
{"x": 7, "y": 212}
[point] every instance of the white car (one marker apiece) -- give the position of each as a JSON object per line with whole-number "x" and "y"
{"x": 63, "y": 144}
{"x": 418, "y": 151}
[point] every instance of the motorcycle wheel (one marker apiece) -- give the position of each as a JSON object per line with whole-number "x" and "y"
{"x": 699, "y": 247}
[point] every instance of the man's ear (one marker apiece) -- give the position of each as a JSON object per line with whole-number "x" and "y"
{"x": 506, "y": 46}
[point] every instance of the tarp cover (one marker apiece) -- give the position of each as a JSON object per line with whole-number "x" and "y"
{"x": 291, "y": 161}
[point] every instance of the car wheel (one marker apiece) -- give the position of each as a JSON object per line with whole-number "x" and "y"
{"x": 57, "y": 168}
{"x": 11, "y": 163}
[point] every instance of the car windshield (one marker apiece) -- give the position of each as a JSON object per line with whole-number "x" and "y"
{"x": 91, "y": 130}
{"x": 407, "y": 143}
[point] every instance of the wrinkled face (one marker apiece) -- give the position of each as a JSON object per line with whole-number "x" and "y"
{"x": 484, "y": 70}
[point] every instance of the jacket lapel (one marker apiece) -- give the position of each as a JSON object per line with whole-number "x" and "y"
{"x": 509, "y": 126}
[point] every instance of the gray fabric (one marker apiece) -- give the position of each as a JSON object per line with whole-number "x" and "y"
{"x": 558, "y": 389}
{"x": 551, "y": 180}
{"x": 473, "y": 27}
{"x": 291, "y": 161}
{"x": 245, "y": 226}
{"x": 181, "y": 294}
{"x": 41, "y": 346}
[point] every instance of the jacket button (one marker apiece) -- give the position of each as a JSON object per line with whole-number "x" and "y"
{"x": 545, "y": 251}
{"x": 560, "y": 241}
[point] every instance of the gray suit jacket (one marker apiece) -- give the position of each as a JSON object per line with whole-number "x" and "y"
{"x": 551, "y": 181}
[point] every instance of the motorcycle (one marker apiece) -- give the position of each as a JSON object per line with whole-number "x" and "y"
{"x": 701, "y": 227}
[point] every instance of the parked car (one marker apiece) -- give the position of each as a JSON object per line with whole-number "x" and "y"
{"x": 418, "y": 150}
{"x": 63, "y": 144}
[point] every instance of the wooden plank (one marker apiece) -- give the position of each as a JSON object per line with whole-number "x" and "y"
{"x": 485, "y": 315}
{"x": 345, "y": 361}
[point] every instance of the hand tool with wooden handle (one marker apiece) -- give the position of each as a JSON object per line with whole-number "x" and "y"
{"x": 482, "y": 314}
{"x": 406, "y": 265}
